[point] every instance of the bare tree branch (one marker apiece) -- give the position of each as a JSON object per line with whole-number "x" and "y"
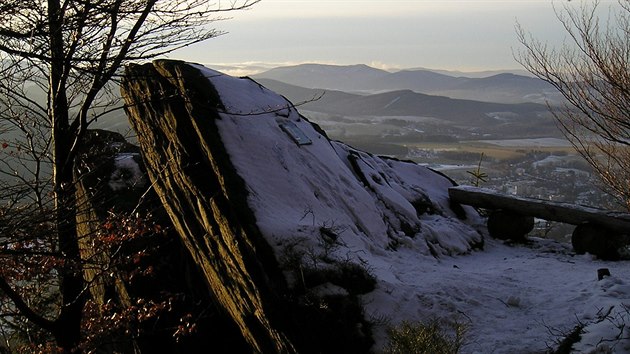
{"x": 592, "y": 72}
{"x": 23, "y": 307}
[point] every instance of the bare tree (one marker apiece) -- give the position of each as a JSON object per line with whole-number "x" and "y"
{"x": 59, "y": 60}
{"x": 592, "y": 72}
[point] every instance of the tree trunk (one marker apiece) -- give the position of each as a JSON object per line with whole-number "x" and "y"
{"x": 67, "y": 331}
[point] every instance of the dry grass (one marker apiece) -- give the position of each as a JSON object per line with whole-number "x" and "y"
{"x": 432, "y": 337}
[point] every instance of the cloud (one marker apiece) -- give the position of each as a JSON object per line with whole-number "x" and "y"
{"x": 384, "y": 66}
{"x": 253, "y": 67}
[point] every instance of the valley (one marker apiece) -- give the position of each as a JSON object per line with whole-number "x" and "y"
{"x": 544, "y": 168}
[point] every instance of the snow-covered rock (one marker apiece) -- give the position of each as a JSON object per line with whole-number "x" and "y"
{"x": 125, "y": 271}
{"x": 313, "y": 246}
{"x": 282, "y": 219}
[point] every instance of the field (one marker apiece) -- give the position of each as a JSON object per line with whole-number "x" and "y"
{"x": 499, "y": 150}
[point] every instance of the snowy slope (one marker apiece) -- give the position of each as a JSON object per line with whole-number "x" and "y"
{"x": 517, "y": 299}
{"x": 395, "y": 218}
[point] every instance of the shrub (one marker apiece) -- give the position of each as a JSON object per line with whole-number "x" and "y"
{"x": 426, "y": 338}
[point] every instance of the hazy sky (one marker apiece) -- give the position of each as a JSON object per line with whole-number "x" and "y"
{"x": 444, "y": 34}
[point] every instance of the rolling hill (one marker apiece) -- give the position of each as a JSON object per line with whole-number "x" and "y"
{"x": 498, "y": 118}
{"x": 502, "y": 87}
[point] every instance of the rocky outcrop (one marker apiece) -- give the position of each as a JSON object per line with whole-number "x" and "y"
{"x": 293, "y": 233}
{"x": 153, "y": 267}
{"x": 104, "y": 186}
{"x": 173, "y": 111}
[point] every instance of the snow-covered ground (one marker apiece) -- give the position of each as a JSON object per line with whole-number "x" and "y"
{"x": 516, "y": 299}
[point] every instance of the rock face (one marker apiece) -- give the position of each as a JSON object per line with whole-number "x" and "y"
{"x": 300, "y": 238}
{"x": 97, "y": 167}
{"x": 113, "y": 182}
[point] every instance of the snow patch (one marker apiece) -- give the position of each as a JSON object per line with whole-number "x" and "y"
{"x": 127, "y": 173}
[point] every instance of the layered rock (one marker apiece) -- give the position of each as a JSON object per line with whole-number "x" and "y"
{"x": 300, "y": 238}
{"x": 95, "y": 198}
{"x": 113, "y": 187}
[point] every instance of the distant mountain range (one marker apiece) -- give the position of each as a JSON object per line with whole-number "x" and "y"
{"x": 476, "y": 74}
{"x": 520, "y": 118}
{"x": 500, "y": 88}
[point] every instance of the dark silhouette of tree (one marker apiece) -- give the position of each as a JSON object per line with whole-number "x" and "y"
{"x": 592, "y": 72}
{"x": 59, "y": 62}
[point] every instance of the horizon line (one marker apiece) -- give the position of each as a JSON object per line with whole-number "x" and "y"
{"x": 257, "y": 67}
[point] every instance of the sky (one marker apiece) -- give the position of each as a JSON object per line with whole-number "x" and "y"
{"x": 466, "y": 35}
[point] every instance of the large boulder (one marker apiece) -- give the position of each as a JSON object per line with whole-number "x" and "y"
{"x": 125, "y": 274}
{"x": 299, "y": 238}
{"x": 102, "y": 188}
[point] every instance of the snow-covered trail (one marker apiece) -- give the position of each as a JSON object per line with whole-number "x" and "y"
{"x": 511, "y": 296}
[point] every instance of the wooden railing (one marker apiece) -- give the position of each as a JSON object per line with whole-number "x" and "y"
{"x": 600, "y": 232}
